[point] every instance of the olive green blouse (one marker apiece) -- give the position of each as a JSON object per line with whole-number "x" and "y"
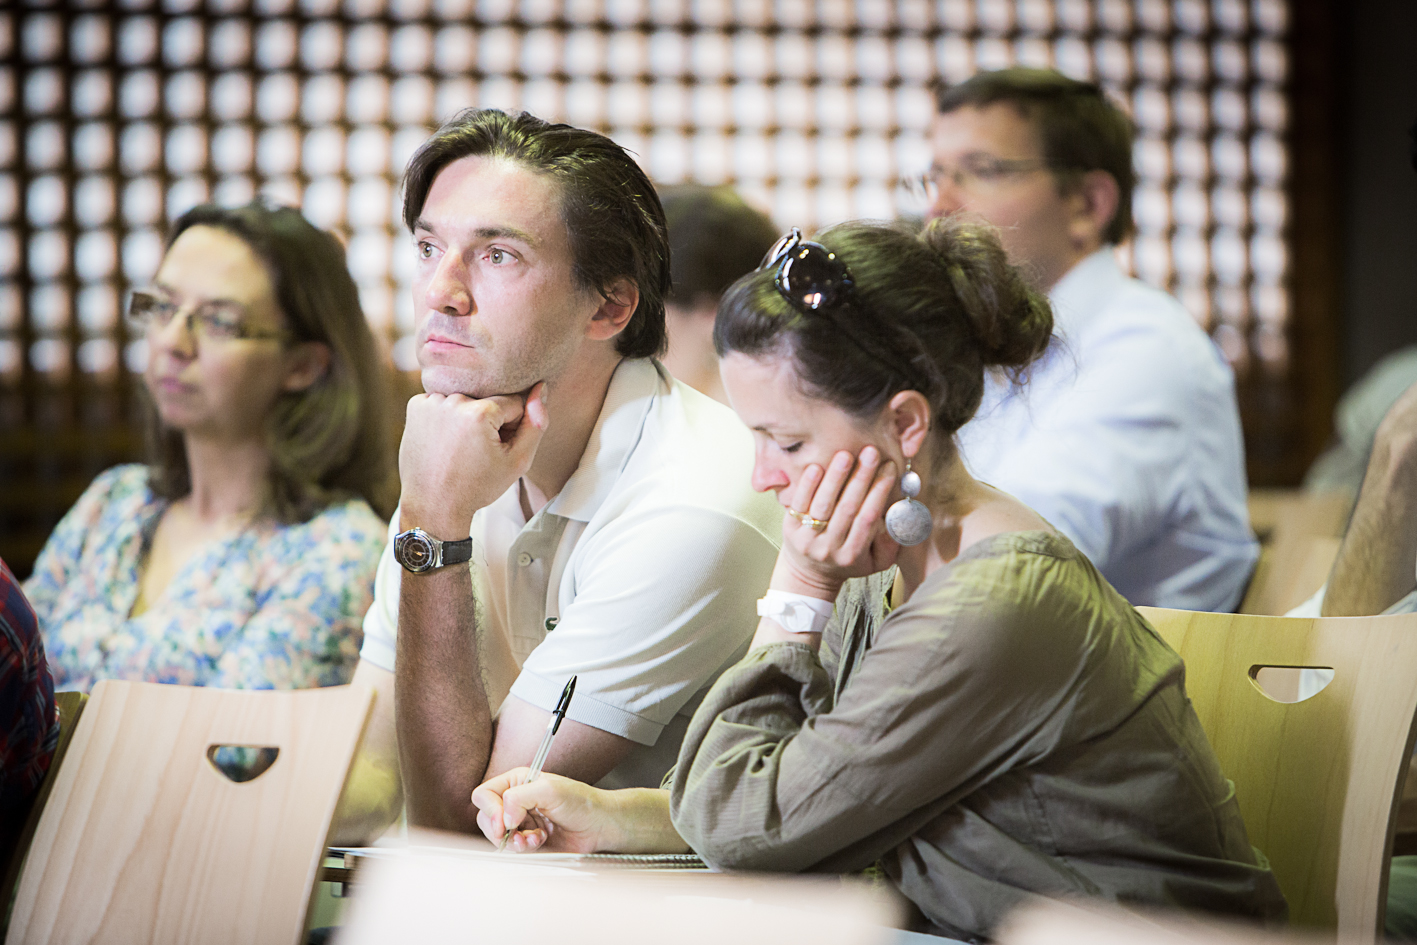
{"x": 1015, "y": 728}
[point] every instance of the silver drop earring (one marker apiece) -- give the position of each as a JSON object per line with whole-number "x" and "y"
{"x": 908, "y": 521}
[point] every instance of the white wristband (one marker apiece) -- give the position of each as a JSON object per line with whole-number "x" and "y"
{"x": 796, "y": 613}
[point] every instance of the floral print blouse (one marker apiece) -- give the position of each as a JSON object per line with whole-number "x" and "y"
{"x": 271, "y": 607}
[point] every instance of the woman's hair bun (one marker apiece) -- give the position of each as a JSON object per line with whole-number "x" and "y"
{"x": 1012, "y": 322}
{"x": 929, "y": 311}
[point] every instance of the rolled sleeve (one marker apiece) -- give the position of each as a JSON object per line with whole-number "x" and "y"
{"x": 662, "y": 603}
{"x": 587, "y": 708}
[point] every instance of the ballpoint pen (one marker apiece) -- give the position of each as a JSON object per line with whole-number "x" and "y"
{"x": 536, "y": 763}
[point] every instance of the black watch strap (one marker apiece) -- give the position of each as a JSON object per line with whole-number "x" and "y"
{"x": 456, "y": 552}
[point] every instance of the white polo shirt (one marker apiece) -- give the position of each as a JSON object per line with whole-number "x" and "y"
{"x": 641, "y": 577}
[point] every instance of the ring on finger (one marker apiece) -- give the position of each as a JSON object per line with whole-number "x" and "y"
{"x": 815, "y": 524}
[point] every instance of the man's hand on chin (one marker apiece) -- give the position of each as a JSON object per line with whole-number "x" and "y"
{"x": 459, "y": 454}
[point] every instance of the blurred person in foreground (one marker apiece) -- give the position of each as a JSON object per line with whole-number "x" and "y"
{"x": 567, "y": 507}
{"x": 29, "y": 724}
{"x": 1374, "y": 573}
{"x": 715, "y": 237}
{"x": 1127, "y": 438}
{"x": 945, "y": 687}
{"x": 243, "y": 553}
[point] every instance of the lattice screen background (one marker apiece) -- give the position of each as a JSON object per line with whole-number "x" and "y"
{"x": 113, "y": 121}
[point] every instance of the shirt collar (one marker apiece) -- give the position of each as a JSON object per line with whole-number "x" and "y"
{"x": 633, "y": 388}
{"x": 1083, "y": 291}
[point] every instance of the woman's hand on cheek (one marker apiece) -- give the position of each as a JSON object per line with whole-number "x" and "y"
{"x": 850, "y": 496}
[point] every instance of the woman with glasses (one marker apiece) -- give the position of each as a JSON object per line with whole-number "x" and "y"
{"x": 941, "y": 685}
{"x": 243, "y": 553}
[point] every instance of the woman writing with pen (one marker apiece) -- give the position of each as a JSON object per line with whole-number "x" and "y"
{"x": 941, "y": 684}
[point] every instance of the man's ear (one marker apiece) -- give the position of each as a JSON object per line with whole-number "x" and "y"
{"x": 1097, "y": 198}
{"x": 908, "y": 415}
{"x": 616, "y": 309}
{"x": 305, "y": 363}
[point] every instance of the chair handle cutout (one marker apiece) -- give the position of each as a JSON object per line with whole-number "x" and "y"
{"x": 1290, "y": 684}
{"x": 242, "y": 763}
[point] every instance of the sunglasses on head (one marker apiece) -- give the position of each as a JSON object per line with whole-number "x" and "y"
{"x": 808, "y": 274}
{"x": 815, "y": 281}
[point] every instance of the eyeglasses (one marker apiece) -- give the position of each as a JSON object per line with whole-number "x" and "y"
{"x": 808, "y": 274}
{"x": 976, "y": 173}
{"x": 217, "y": 320}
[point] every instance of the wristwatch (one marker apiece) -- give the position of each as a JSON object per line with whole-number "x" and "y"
{"x": 419, "y": 552}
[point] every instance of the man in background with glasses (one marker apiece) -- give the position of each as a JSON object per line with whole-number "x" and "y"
{"x": 1127, "y": 436}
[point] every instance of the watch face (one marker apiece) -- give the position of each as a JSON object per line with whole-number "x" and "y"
{"x": 414, "y": 551}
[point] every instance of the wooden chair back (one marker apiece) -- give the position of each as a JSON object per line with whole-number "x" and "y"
{"x": 1318, "y": 781}
{"x": 144, "y": 839}
{"x": 21, "y": 823}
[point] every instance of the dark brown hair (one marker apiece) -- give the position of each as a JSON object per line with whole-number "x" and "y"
{"x": 927, "y": 312}
{"x": 1079, "y": 127}
{"x": 330, "y": 441}
{"x": 611, "y": 212}
{"x": 715, "y": 238}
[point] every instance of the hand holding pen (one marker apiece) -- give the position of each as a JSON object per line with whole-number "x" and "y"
{"x": 539, "y": 761}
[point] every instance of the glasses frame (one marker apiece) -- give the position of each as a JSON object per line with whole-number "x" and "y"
{"x": 988, "y": 173}
{"x": 194, "y": 321}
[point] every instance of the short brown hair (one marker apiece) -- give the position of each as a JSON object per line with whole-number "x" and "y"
{"x": 612, "y": 214}
{"x": 715, "y": 238}
{"x": 330, "y": 441}
{"x": 1080, "y": 128}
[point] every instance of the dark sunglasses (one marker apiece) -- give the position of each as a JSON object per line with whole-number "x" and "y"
{"x": 808, "y": 274}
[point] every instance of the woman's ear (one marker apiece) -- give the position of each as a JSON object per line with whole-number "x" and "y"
{"x": 908, "y": 415}
{"x": 615, "y": 310}
{"x": 305, "y": 363}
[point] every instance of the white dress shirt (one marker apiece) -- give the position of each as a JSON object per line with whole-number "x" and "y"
{"x": 641, "y": 576}
{"x": 1126, "y": 438}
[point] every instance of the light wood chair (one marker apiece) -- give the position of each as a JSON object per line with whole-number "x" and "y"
{"x": 1318, "y": 781}
{"x": 145, "y": 839}
{"x": 21, "y": 824}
